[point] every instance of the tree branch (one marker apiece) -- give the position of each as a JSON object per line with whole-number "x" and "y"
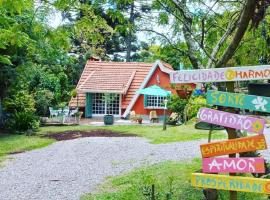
{"x": 187, "y": 30}
{"x": 167, "y": 39}
{"x": 248, "y": 12}
{"x": 230, "y": 30}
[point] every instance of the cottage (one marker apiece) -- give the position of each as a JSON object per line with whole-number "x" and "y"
{"x": 110, "y": 88}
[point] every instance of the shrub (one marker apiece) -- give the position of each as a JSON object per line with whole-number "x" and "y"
{"x": 23, "y": 121}
{"x": 193, "y": 106}
{"x": 177, "y": 105}
{"x": 21, "y": 101}
{"x": 43, "y": 101}
{"x": 21, "y": 109}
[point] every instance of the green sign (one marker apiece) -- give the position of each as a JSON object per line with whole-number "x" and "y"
{"x": 237, "y": 100}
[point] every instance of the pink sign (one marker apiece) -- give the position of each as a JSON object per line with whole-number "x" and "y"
{"x": 231, "y": 120}
{"x": 234, "y": 165}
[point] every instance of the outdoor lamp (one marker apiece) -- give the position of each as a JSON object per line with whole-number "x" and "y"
{"x": 165, "y": 108}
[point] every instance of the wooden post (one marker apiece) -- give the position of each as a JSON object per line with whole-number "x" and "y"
{"x": 153, "y": 192}
{"x": 210, "y": 133}
{"x": 231, "y": 135}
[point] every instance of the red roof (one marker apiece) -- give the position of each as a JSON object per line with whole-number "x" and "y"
{"x": 107, "y": 80}
{"x": 115, "y": 77}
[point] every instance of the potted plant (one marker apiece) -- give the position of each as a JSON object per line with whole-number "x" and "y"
{"x": 61, "y": 106}
{"x": 108, "y": 118}
{"x": 139, "y": 119}
{"x": 78, "y": 116}
{"x": 74, "y": 94}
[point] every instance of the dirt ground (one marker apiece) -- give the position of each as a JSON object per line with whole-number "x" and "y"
{"x": 69, "y": 135}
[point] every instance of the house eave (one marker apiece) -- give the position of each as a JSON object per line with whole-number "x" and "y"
{"x": 101, "y": 91}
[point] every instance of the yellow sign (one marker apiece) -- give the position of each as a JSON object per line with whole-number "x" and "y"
{"x": 233, "y": 183}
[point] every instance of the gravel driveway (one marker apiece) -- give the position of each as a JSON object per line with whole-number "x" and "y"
{"x": 65, "y": 170}
{"x": 68, "y": 169}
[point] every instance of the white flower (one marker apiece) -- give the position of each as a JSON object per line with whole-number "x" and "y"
{"x": 260, "y": 103}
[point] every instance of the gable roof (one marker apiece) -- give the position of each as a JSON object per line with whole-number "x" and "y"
{"x": 165, "y": 67}
{"x": 115, "y": 77}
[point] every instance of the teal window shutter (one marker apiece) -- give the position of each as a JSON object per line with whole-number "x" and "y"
{"x": 145, "y": 101}
{"x": 88, "y": 106}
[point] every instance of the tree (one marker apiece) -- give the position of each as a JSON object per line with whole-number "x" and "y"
{"x": 198, "y": 26}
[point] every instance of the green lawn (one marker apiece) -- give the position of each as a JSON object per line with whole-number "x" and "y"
{"x": 10, "y": 143}
{"x": 154, "y": 133}
{"x": 169, "y": 176}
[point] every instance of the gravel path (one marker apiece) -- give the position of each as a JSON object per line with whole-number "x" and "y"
{"x": 68, "y": 169}
{"x": 65, "y": 170}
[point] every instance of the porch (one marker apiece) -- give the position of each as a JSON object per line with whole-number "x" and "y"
{"x": 97, "y": 121}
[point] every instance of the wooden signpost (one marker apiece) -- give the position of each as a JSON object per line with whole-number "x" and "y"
{"x": 231, "y": 164}
{"x": 234, "y": 183}
{"x": 221, "y": 74}
{"x": 239, "y": 122}
{"x": 236, "y": 165}
{"x": 235, "y": 100}
{"x": 239, "y": 145}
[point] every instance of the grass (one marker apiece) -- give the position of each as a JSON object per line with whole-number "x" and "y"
{"x": 168, "y": 176}
{"x": 154, "y": 133}
{"x": 11, "y": 143}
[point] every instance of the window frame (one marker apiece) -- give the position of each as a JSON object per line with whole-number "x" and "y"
{"x": 105, "y": 109}
{"x": 156, "y": 100}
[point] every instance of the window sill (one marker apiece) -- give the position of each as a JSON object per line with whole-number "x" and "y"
{"x": 155, "y": 108}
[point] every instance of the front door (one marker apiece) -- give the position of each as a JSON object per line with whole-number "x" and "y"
{"x": 89, "y": 105}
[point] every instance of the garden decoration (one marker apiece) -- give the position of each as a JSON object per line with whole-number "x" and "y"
{"x": 221, "y": 74}
{"x": 211, "y": 163}
{"x": 231, "y": 120}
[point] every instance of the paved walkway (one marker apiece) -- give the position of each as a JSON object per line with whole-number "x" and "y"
{"x": 65, "y": 170}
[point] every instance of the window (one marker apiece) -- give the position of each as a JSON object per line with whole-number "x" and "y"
{"x": 98, "y": 103}
{"x": 155, "y": 101}
{"x": 106, "y": 104}
{"x": 113, "y": 104}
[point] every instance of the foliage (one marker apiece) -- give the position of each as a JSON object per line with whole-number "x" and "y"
{"x": 43, "y": 98}
{"x": 193, "y": 106}
{"x": 39, "y": 64}
{"x": 20, "y": 101}
{"x": 168, "y": 53}
{"x": 169, "y": 178}
{"x": 21, "y": 108}
{"x": 177, "y": 105}
{"x": 23, "y": 121}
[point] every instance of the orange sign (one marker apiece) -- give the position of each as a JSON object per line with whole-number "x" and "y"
{"x": 239, "y": 145}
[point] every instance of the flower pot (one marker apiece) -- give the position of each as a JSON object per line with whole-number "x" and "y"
{"x": 139, "y": 120}
{"x": 108, "y": 119}
{"x": 43, "y": 120}
{"x": 259, "y": 89}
